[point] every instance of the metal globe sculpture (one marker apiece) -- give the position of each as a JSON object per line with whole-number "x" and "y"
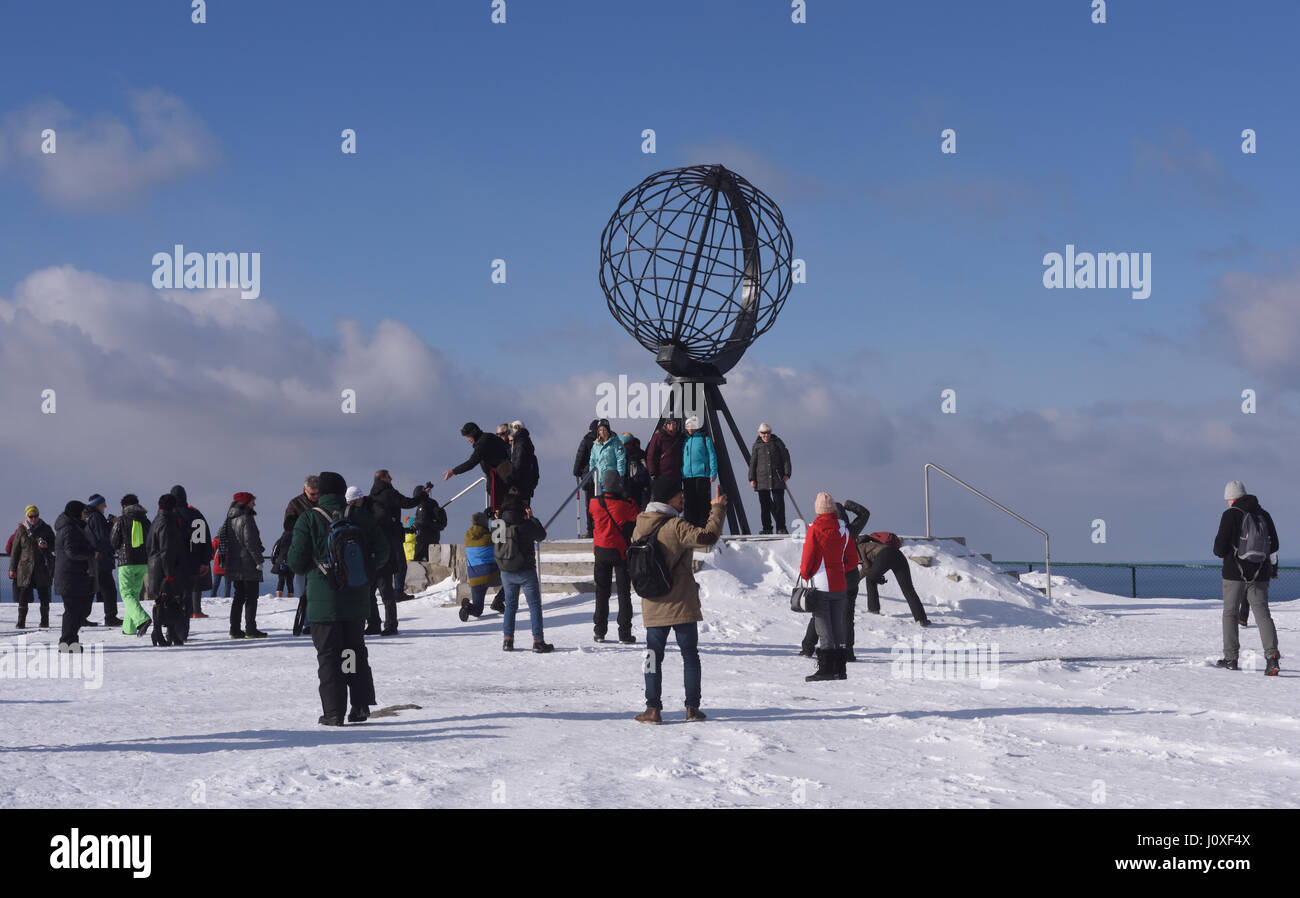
{"x": 695, "y": 265}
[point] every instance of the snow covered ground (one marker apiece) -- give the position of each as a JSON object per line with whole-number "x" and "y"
{"x": 1090, "y": 700}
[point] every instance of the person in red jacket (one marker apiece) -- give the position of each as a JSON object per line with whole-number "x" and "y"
{"x": 828, "y": 551}
{"x": 614, "y": 517}
{"x": 218, "y": 571}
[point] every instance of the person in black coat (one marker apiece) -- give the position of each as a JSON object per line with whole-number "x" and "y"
{"x": 769, "y": 469}
{"x": 430, "y": 519}
{"x": 74, "y": 572}
{"x": 170, "y": 563}
{"x": 581, "y": 465}
{"x": 489, "y": 453}
{"x": 241, "y": 543}
{"x": 387, "y": 504}
{"x": 1245, "y": 582}
{"x": 99, "y": 529}
{"x": 523, "y": 458}
{"x": 200, "y": 552}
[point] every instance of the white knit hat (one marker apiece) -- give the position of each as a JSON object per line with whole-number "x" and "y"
{"x": 764, "y": 428}
{"x": 692, "y": 423}
{"x": 354, "y": 493}
{"x": 824, "y": 504}
{"x": 1234, "y": 490}
{"x": 516, "y": 425}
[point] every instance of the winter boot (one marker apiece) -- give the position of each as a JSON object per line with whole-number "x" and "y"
{"x": 279, "y": 594}
{"x": 542, "y": 647}
{"x": 113, "y": 621}
{"x": 238, "y": 634}
{"x": 390, "y": 617}
{"x": 250, "y": 620}
{"x": 143, "y": 628}
{"x": 1226, "y": 663}
{"x": 22, "y": 616}
{"x": 464, "y": 610}
{"x": 45, "y": 615}
{"x": 650, "y": 715}
{"x": 849, "y": 657}
{"x": 840, "y": 658}
{"x": 499, "y": 603}
{"x": 627, "y": 639}
{"x": 508, "y": 644}
{"x": 825, "y": 669}
{"x": 330, "y": 721}
{"x": 1271, "y": 670}
{"x": 359, "y": 714}
{"x": 695, "y": 714}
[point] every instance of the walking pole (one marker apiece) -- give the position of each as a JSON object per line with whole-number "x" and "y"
{"x": 577, "y": 507}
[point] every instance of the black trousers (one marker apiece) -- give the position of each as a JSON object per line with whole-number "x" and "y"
{"x": 892, "y": 560}
{"x": 589, "y": 493}
{"x": 851, "y": 579}
{"x": 771, "y": 505}
{"x": 422, "y": 543}
{"x": 340, "y": 675}
{"x": 23, "y": 596}
{"x": 698, "y": 498}
{"x": 75, "y": 611}
{"x": 610, "y": 566}
{"x": 245, "y": 600}
{"x": 389, "y": 596}
{"x": 108, "y": 593}
{"x": 372, "y": 621}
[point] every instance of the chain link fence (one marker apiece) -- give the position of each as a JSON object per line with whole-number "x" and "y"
{"x": 1157, "y": 581}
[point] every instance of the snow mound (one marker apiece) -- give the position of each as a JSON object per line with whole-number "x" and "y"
{"x": 965, "y": 589}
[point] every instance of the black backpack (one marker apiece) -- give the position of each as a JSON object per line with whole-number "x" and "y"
{"x": 348, "y": 564}
{"x": 650, "y": 573}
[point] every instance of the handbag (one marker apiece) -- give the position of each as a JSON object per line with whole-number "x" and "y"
{"x": 804, "y": 599}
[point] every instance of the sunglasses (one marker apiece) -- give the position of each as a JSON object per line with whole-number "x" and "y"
{"x": 33, "y": 517}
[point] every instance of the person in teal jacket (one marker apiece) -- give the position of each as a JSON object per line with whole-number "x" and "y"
{"x": 607, "y": 453}
{"x": 338, "y": 617}
{"x": 699, "y": 471}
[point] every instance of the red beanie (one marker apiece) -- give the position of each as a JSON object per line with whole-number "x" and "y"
{"x": 244, "y": 498}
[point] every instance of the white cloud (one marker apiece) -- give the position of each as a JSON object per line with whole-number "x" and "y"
{"x": 101, "y": 160}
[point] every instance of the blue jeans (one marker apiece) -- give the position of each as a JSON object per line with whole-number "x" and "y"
{"x": 688, "y": 641}
{"x": 511, "y": 582}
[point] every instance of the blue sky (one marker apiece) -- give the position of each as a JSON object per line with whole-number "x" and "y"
{"x": 479, "y": 141}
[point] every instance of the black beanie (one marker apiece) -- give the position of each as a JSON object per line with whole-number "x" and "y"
{"x": 179, "y": 492}
{"x": 332, "y": 484}
{"x": 167, "y": 502}
{"x": 664, "y": 489}
{"x": 74, "y": 509}
{"x": 471, "y": 430}
{"x": 130, "y": 499}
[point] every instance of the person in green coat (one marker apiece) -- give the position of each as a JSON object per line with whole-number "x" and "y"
{"x": 338, "y": 617}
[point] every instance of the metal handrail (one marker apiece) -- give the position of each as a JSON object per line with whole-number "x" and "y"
{"x": 464, "y": 491}
{"x": 1047, "y": 539}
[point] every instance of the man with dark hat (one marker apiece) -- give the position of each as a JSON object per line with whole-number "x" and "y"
{"x": 615, "y": 516}
{"x": 492, "y": 455}
{"x": 582, "y": 465}
{"x": 200, "y": 552}
{"x": 338, "y": 615}
{"x": 99, "y": 529}
{"x": 679, "y": 610}
{"x": 74, "y": 565}
{"x": 169, "y": 581}
{"x": 130, "y": 539}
